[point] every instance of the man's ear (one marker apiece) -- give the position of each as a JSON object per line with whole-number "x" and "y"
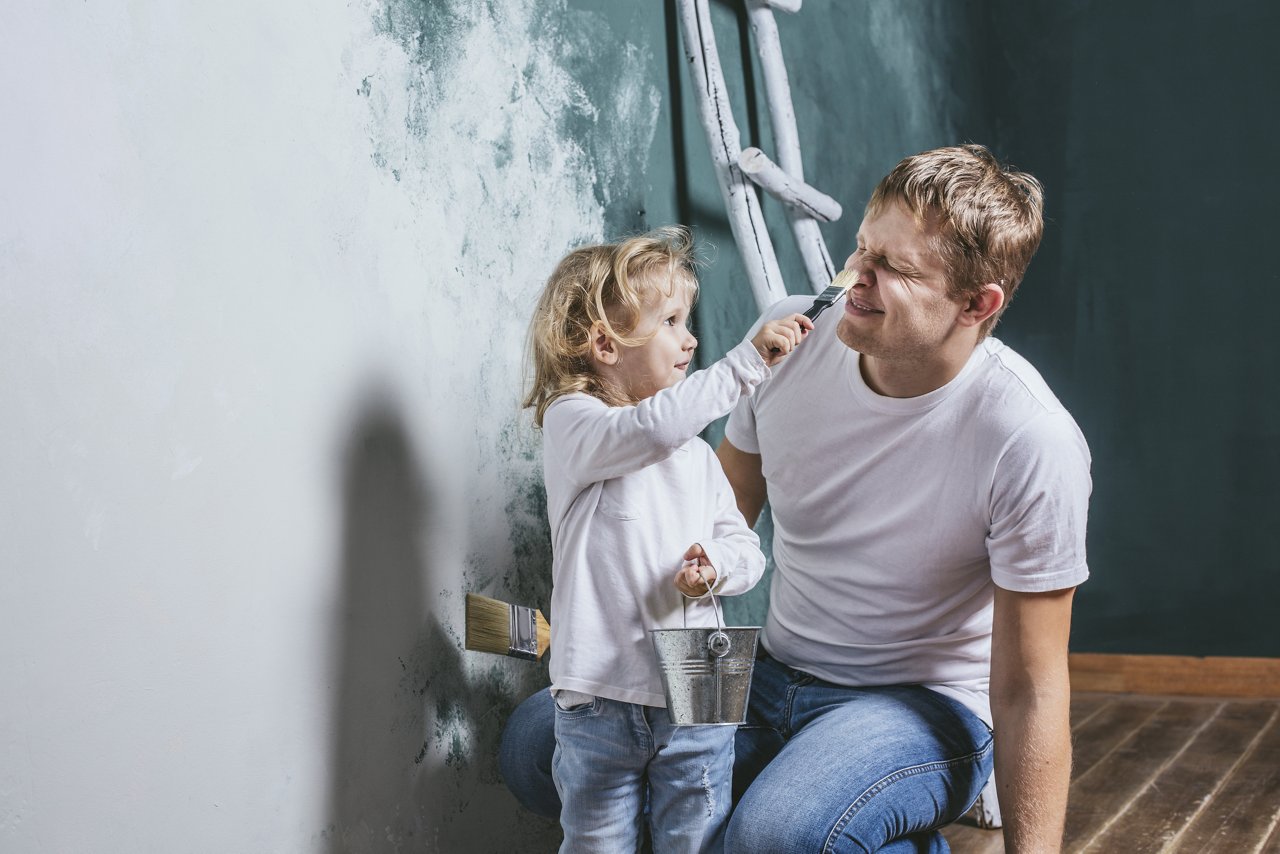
{"x": 604, "y": 350}
{"x": 982, "y": 305}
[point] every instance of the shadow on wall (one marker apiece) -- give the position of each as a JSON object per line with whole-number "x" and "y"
{"x": 380, "y": 613}
{"x": 415, "y": 733}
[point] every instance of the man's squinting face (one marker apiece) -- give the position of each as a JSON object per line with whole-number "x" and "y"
{"x": 899, "y": 306}
{"x": 663, "y": 360}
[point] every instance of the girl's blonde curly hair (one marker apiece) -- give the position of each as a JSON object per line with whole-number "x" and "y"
{"x": 609, "y": 284}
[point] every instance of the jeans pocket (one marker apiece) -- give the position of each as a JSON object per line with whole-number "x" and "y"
{"x": 579, "y": 710}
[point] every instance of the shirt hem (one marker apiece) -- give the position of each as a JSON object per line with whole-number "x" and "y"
{"x": 611, "y": 692}
{"x": 1042, "y": 583}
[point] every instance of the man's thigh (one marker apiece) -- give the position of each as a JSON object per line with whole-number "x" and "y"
{"x": 858, "y": 768}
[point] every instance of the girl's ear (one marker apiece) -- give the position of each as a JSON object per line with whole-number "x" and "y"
{"x": 604, "y": 350}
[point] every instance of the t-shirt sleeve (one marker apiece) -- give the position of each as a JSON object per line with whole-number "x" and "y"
{"x": 1040, "y": 507}
{"x": 740, "y": 429}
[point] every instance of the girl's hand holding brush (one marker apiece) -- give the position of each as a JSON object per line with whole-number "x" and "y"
{"x": 840, "y": 286}
{"x": 779, "y": 337}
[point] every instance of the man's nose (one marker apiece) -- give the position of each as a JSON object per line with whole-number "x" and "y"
{"x": 859, "y": 266}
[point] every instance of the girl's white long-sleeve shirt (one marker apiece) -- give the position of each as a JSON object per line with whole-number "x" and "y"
{"x": 629, "y": 490}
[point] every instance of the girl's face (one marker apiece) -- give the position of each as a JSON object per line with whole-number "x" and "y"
{"x": 663, "y": 360}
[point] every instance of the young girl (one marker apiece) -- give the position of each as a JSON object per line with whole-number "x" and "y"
{"x": 637, "y": 501}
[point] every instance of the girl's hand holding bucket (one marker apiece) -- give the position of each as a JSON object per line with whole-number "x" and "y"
{"x": 697, "y": 577}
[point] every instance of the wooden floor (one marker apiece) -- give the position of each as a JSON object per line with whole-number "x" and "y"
{"x": 1165, "y": 774}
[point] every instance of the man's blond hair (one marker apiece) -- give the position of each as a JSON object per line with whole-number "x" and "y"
{"x": 610, "y": 284}
{"x": 989, "y": 218}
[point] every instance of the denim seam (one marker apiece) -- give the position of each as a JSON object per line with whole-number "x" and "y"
{"x": 786, "y": 711}
{"x": 645, "y": 736}
{"x": 794, "y": 686}
{"x": 883, "y": 783}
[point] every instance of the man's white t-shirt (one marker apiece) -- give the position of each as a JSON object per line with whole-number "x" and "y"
{"x": 629, "y": 489}
{"x": 894, "y": 517}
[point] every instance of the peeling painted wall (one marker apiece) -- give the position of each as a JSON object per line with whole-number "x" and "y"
{"x": 266, "y": 274}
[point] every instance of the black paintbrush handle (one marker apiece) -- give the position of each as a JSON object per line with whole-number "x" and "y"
{"x": 819, "y": 306}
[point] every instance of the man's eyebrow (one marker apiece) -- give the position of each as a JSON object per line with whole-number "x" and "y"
{"x": 902, "y": 263}
{"x": 905, "y": 264}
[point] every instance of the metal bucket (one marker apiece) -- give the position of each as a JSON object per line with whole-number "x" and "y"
{"x": 706, "y": 672}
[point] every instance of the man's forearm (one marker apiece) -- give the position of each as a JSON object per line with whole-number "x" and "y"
{"x": 1033, "y": 769}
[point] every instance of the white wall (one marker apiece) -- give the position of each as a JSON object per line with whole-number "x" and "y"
{"x": 265, "y": 271}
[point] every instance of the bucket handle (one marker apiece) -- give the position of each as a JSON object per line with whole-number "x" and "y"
{"x": 718, "y": 643}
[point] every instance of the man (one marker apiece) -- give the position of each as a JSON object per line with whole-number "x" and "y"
{"x": 929, "y": 496}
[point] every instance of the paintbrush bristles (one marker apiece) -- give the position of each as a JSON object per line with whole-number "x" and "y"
{"x": 488, "y": 627}
{"x": 844, "y": 280}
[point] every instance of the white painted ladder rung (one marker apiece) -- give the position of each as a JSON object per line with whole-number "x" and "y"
{"x": 787, "y": 189}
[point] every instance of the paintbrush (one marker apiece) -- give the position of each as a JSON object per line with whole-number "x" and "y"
{"x": 506, "y": 629}
{"x": 840, "y": 285}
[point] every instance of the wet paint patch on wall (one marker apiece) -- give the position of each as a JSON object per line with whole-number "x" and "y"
{"x": 514, "y": 131}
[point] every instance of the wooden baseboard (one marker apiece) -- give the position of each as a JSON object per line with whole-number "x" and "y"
{"x": 1174, "y": 674}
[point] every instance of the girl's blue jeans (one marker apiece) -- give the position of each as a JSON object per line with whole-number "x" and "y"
{"x": 818, "y": 767}
{"x": 612, "y": 759}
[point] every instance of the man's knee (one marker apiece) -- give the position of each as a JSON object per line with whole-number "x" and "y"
{"x": 759, "y": 826}
{"x": 525, "y": 752}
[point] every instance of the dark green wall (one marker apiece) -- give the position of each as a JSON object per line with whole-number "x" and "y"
{"x": 1151, "y": 307}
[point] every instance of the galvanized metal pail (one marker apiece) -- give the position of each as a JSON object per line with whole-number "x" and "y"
{"x": 706, "y": 672}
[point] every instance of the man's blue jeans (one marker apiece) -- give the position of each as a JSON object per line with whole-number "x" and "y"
{"x": 611, "y": 758}
{"x": 819, "y": 767}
